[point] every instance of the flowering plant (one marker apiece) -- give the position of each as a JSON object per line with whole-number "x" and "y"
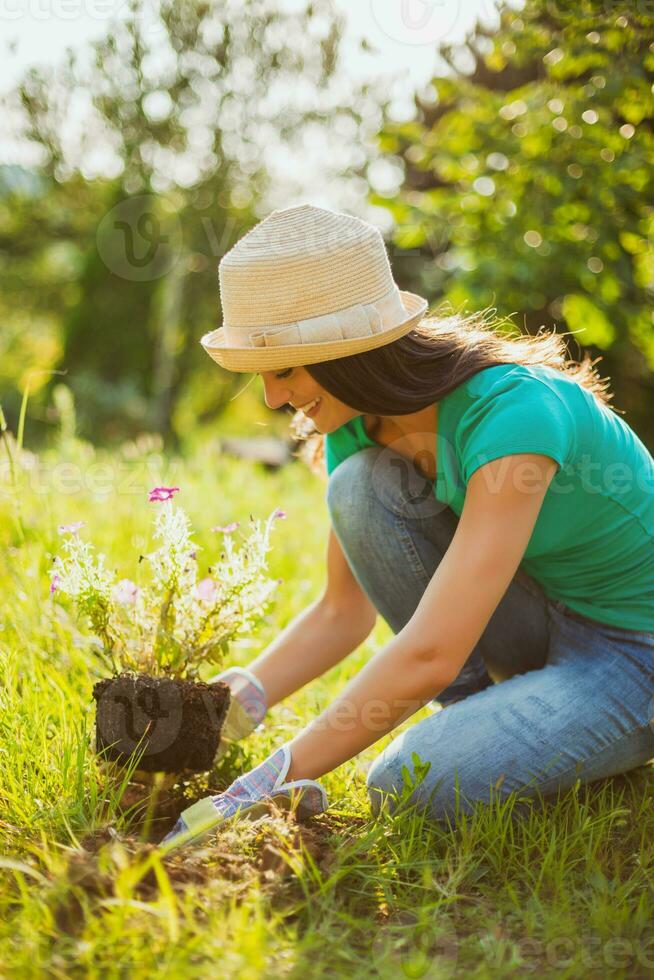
{"x": 170, "y": 625}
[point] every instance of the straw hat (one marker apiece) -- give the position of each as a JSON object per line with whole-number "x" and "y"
{"x": 304, "y": 285}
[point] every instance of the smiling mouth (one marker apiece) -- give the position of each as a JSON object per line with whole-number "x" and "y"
{"x": 310, "y": 407}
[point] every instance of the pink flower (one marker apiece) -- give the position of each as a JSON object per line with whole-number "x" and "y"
{"x": 70, "y": 528}
{"x": 162, "y": 493}
{"x": 206, "y": 590}
{"x": 279, "y": 513}
{"x": 54, "y": 584}
{"x": 125, "y": 592}
{"x": 228, "y": 528}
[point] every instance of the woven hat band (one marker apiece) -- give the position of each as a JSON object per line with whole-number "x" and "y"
{"x": 360, "y": 320}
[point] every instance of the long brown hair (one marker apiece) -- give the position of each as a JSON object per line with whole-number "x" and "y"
{"x": 428, "y": 362}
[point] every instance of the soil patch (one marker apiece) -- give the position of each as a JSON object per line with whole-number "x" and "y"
{"x": 175, "y": 723}
{"x": 270, "y": 851}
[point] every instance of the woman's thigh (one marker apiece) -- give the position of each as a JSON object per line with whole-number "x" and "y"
{"x": 588, "y": 714}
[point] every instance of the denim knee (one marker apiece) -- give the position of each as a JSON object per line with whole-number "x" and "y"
{"x": 381, "y": 786}
{"x": 433, "y": 783}
{"x": 386, "y": 786}
{"x": 378, "y": 483}
{"x": 442, "y": 790}
{"x": 387, "y": 790}
{"x": 352, "y": 504}
{"x": 349, "y": 487}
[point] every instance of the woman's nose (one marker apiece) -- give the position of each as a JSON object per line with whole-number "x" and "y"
{"x": 276, "y": 394}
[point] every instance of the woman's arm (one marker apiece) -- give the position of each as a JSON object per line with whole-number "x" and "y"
{"x": 321, "y": 635}
{"x": 502, "y": 503}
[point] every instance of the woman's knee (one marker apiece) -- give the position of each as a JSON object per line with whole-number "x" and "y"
{"x": 351, "y": 500}
{"x": 349, "y": 483}
{"x": 399, "y": 778}
{"x": 416, "y": 785}
{"x": 434, "y": 767}
{"x": 377, "y": 479}
{"x": 381, "y": 786}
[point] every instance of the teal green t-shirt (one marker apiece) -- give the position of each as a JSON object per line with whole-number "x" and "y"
{"x": 592, "y": 546}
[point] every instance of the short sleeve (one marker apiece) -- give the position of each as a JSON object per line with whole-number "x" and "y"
{"x": 516, "y": 415}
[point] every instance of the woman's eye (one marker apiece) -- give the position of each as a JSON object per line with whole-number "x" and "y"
{"x": 284, "y": 374}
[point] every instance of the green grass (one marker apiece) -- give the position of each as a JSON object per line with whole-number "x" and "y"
{"x": 564, "y": 890}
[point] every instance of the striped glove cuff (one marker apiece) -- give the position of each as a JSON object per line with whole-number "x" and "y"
{"x": 248, "y": 703}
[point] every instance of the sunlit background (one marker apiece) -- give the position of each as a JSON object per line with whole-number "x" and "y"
{"x": 505, "y": 156}
{"x": 39, "y": 33}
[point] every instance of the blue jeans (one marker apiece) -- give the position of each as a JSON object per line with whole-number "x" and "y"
{"x": 547, "y": 696}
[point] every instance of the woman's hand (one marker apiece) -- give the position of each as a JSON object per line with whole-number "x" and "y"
{"x": 247, "y": 706}
{"x": 248, "y": 796}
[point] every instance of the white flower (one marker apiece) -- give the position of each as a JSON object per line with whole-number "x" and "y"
{"x": 125, "y": 592}
{"x": 71, "y": 528}
{"x": 206, "y": 590}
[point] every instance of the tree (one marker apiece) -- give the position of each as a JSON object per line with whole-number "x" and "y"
{"x": 183, "y": 106}
{"x": 528, "y": 181}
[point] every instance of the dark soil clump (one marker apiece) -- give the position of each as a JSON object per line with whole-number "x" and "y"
{"x": 175, "y": 723}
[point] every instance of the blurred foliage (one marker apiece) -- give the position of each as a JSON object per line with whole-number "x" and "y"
{"x": 153, "y": 161}
{"x": 528, "y": 182}
{"x": 527, "y": 186}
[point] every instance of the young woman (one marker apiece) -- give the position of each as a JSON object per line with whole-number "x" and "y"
{"x": 484, "y": 499}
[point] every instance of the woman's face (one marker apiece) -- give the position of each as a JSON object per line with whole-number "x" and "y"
{"x": 296, "y": 387}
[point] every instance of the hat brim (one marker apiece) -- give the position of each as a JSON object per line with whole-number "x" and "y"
{"x": 295, "y": 355}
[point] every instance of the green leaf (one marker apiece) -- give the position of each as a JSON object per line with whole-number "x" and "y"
{"x": 590, "y": 323}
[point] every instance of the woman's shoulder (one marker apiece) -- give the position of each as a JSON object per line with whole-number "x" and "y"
{"x": 511, "y": 374}
{"x": 520, "y": 383}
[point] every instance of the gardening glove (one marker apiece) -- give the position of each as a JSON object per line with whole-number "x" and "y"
{"x": 248, "y": 796}
{"x": 247, "y": 705}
